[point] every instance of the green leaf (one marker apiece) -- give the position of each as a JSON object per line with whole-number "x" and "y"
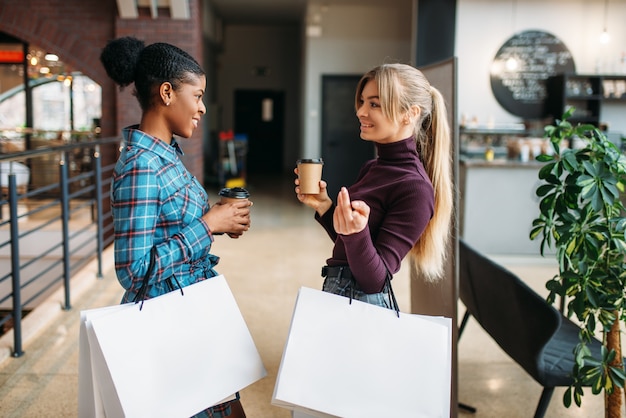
{"x": 578, "y": 397}
{"x": 544, "y": 189}
{"x": 596, "y": 386}
{"x": 569, "y": 159}
{"x": 591, "y": 296}
{"x": 552, "y": 179}
{"x": 597, "y": 203}
{"x": 619, "y": 244}
{"x": 545, "y": 158}
{"x": 546, "y": 204}
{"x": 535, "y": 232}
{"x": 609, "y": 192}
{"x": 567, "y": 397}
{"x": 568, "y": 113}
{"x": 618, "y": 375}
{"x": 554, "y": 286}
{"x": 589, "y": 189}
{"x": 591, "y": 168}
{"x": 545, "y": 171}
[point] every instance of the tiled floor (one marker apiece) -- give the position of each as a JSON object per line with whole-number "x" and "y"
{"x": 283, "y": 251}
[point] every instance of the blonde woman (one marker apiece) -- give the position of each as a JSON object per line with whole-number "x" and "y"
{"x": 401, "y": 202}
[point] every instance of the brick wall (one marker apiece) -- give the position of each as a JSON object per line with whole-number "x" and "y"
{"x": 185, "y": 34}
{"x": 76, "y": 30}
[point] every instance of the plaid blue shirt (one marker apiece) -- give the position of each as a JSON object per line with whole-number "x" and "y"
{"x": 156, "y": 202}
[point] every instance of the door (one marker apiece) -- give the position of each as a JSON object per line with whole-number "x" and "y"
{"x": 259, "y": 114}
{"x": 343, "y": 150}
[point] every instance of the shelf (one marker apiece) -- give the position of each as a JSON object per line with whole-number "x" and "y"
{"x": 492, "y": 131}
{"x": 585, "y": 97}
{"x": 586, "y": 92}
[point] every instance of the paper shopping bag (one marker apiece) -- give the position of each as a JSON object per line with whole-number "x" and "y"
{"x": 175, "y": 357}
{"x": 360, "y": 360}
{"x": 89, "y": 400}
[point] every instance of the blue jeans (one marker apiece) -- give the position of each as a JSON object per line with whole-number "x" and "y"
{"x": 349, "y": 288}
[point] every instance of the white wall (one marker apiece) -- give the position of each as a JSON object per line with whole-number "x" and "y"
{"x": 484, "y": 25}
{"x": 354, "y": 38}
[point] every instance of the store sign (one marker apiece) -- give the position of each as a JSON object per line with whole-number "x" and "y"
{"x": 11, "y": 57}
{"x": 520, "y": 70}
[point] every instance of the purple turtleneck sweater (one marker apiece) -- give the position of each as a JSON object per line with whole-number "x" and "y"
{"x": 401, "y": 200}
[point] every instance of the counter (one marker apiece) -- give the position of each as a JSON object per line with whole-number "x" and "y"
{"x": 498, "y": 205}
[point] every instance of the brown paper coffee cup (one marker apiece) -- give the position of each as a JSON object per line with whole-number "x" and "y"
{"x": 310, "y": 174}
{"x": 235, "y": 194}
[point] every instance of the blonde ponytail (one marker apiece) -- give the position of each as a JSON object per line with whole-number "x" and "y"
{"x": 435, "y": 144}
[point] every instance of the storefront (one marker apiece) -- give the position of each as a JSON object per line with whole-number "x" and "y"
{"x": 533, "y": 76}
{"x": 43, "y": 103}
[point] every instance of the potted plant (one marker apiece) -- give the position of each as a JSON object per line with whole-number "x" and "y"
{"x": 582, "y": 220}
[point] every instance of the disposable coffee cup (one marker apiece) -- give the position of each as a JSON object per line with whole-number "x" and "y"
{"x": 310, "y": 174}
{"x": 234, "y": 194}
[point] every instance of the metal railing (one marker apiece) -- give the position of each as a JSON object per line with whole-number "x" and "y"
{"x": 53, "y": 228}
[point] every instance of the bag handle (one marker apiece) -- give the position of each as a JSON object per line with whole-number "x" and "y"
{"x": 392, "y": 297}
{"x": 141, "y": 294}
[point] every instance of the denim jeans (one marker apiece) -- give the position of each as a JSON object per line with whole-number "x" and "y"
{"x": 349, "y": 288}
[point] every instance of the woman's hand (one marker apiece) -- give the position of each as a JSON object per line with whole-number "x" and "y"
{"x": 320, "y": 202}
{"x": 350, "y": 217}
{"x": 232, "y": 218}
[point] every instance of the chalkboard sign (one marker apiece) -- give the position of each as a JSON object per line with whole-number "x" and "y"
{"x": 521, "y": 68}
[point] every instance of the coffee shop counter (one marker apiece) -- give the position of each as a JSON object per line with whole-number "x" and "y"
{"x": 498, "y": 205}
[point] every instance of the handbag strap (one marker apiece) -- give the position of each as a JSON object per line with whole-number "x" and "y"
{"x": 392, "y": 296}
{"x": 141, "y": 294}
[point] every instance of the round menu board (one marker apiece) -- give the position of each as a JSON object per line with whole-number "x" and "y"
{"x": 521, "y": 67}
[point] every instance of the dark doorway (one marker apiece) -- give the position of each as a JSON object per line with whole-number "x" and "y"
{"x": 343, "y": 150}
{"x": 259, "y": 114}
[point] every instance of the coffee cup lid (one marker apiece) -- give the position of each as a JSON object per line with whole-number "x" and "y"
{"x": 235, "y": 192}
{"x": 310, "y": 161}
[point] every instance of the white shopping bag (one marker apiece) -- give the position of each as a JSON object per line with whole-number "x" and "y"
{"x": 175, "y": 357}
{"x": 360, "y": 360}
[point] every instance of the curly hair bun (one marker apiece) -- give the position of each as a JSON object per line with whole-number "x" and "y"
{"x": 119, "y": 58}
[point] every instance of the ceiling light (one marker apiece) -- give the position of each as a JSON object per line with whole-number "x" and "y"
{"x": 511, "y": 64}
{"x": 605, "y": 38}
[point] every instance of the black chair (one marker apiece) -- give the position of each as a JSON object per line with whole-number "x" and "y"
{"x": 532, "y": 332}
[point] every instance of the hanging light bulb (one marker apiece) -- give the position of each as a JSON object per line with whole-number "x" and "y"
{"x": 605, "y": 38}
{"x": 511, "y": 64}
